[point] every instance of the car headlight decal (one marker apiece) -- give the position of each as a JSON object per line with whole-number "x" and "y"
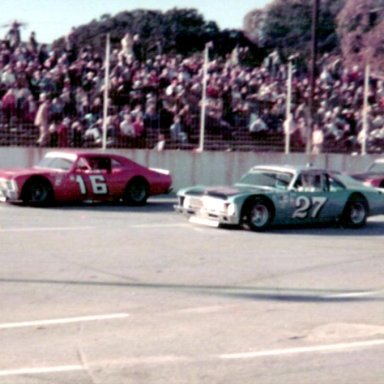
{"x": 231, "y": 209}
{"x": 11, "y": 185}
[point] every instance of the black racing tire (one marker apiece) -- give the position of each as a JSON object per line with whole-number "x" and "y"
{"x": 136, "y": 192}
{"x": 38, "y": 192}
{"x": 258, "y": 215}
{"x": 355, "y": 212}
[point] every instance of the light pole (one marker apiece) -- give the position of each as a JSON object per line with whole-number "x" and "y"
{"x": 288, "y": 114}
{"x": 312, "y": 73}
{"x": 106, "y": 89}
{"x": 204, "y": 97}
{"x": 365, "y": 110}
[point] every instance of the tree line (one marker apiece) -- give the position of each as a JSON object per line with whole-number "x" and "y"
{"x": 351, "y": 28}
{"x": 177, "y": 31}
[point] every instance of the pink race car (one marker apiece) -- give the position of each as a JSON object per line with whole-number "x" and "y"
{"x": 83, "y": 176}
{"x": 374, "y": 175}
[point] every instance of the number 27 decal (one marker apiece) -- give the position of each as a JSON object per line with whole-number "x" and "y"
{"x": 308, "y": 207}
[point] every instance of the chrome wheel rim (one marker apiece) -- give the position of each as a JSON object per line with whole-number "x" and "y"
{"x": 38, "y": 193}
{"x": 358, "y": 213}
{"x": 137, "y": 192}
{"x": 259, "y": 215}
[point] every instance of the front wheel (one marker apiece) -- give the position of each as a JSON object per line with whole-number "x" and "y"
{"x": 37, "y": 192}
{"x": 258, "y": 215}
{"x": 355, "y": 213}
{"x": 136, "y": 192}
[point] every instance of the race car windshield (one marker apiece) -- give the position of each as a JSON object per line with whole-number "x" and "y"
{"x": 267, "y": 179}
{"x": 376, "y": 167}
{"x": 55, "y": 163}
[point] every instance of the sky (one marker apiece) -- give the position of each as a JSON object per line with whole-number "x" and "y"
{"x": 51, "y": 19}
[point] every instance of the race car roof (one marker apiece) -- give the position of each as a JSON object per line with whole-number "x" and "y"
{"x": 288, "y": 168}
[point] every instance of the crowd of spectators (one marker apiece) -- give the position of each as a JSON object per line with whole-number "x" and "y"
{"x": 57, "y": 95}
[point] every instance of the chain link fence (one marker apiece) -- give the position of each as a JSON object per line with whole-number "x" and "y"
{"x": 218, "y": 136}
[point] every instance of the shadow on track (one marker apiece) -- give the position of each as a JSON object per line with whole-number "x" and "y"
{"x": 309, "y": 295}
{"x": 374, "y": 227}
{"x": 153, "y": 205}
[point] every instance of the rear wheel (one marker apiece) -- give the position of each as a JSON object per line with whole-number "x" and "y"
{"x": 136, "y": 192}
{"x": 37, "y": 192}
{"x": 355, "y": 213}
{"x": 258, "y": 215}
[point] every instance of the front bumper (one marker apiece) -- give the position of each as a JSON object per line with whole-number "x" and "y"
{"x": 8, "y": 190}
{"x": 208, "y": 211}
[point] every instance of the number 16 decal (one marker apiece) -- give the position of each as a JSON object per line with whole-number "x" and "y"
{"x": 98, "y": 184}
{"x": 308, "y": 207}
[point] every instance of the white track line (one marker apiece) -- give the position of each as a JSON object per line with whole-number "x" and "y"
{"x": 235, "y": 356}
{"x": 38, "y": 371}
{"x": 37, "y": 323}
{"x": 311, "y": 349}
{"x": 354, "y": 294}
{"x": 159, "y": 225}
{"x": 39, "y": 229}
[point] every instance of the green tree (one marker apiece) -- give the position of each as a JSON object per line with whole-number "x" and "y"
{"x": 361, "y": 32}
{"x": 254, "y": 23}
{"x": 286, "y": 25}
{"x": 180, "y": 31}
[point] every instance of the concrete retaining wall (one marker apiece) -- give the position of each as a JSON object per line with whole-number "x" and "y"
{"x": 207, "y": 168}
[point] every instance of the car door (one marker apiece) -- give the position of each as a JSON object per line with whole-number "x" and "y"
{"x": 93, "y": 185}
{"x": 96, "y": 182}
{"x": 68, "y": 183}
{"x": 312, "y": 203}
{"x": 107, "y": 178}
{"x": 86, "y": 182}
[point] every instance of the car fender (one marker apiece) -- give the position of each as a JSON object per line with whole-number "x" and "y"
{"x": 248, "y": 200}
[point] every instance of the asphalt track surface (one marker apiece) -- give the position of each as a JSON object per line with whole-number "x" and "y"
{"x": 111, "y": 294}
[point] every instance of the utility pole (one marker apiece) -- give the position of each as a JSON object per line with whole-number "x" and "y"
{"x": 365, "y": 110}
{"x": 106, "y": 90}
{"x": 312, "y": 74}
{"x": 204, "y": 97}
{"x": 288, "y": 114}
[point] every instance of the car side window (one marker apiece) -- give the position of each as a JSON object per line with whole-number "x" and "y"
{"x": 334, "y": 185}
{"x": 101, "y": 164}
{"x": 310, "y": 182}
{"x": 82, "y": 164}
{"x": 116, "y": 165}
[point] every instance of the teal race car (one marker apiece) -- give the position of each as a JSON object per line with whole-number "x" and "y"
{"x": 283, "y": 195}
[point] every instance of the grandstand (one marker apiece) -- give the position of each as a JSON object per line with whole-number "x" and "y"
{"x": 245, "y": 106}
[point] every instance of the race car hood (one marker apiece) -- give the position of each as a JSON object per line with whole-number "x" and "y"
{"x": 225, "y": 192}
{"x": 11, "y": 173}
{"x": 221, "y": 192}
